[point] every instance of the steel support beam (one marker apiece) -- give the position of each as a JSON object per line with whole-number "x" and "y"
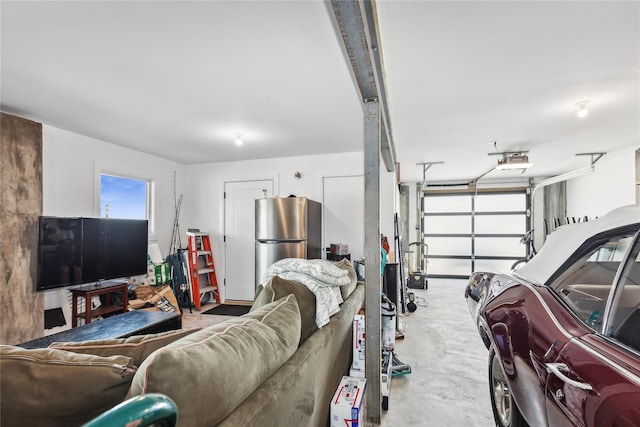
{"x": 372, "y": 259}
{"x": 358, "y": 25}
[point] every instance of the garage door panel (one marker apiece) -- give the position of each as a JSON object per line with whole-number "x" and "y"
{"x": 499, "y": 246}
{"x": 500, "y": 202}
{"x": 485, "y": 225}
{"x": 500, "y": 224}
{"x": 493, "y": 265}
{"x": 450, "y": 224}
{"x": 458, "y": 203}
{"x": 449, "y": 246}
{"x": 453, "y": 267}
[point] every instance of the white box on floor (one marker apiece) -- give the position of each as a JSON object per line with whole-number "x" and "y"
{"x": 356, "y": 373}
{"x": 347, "y": 405}
{"x": 358, "y": 343}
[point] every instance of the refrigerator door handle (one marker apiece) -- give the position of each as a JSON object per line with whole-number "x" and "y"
{"x": 280, "y": 241}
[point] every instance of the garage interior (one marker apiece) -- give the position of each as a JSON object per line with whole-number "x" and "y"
{"x": 428, "y": 97}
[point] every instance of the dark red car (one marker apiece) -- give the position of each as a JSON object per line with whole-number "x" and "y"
{"x": 563, "y": 331}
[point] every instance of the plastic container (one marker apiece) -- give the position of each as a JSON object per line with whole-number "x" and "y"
{"x": 388, "y": 322}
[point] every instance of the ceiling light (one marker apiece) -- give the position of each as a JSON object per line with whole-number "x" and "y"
{"x": 582, "y": 108}
{"x": 514, "y": 161}
{"x": 239, "y": 138}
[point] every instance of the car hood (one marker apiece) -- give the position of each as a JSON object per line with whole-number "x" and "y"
{"x": 563, "y": 242}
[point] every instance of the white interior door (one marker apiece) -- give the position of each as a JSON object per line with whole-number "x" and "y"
{"x": 239, "y": 230}
{"x": 343, "y": 213}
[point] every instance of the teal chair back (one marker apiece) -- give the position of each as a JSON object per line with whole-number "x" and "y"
{"x": 144, "y": 410}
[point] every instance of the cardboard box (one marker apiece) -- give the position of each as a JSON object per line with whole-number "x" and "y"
{"x": 162, "y": 298}
{"x": 385, "y": 377}
{"x": 339, "y": 249}
{"x": 357, "y": 364}
{"x": 135, "y": 304}
{"x": 347, "y": 405}
{"x": 165, "y": 300}
{"x": 356, "y": 373}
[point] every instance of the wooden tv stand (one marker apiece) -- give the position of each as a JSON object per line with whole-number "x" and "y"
{"x": 88, "y": 292}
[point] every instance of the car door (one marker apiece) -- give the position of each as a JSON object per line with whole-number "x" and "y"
{"x": 529, "y": 328}
{"x": 595, "y": 379}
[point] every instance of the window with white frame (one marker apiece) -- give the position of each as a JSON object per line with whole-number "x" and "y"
{"x": 124, "y": 197}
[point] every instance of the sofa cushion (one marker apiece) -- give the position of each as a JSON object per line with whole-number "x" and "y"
{"x": 277, "y": 287}
{"x": 212, "y": 371}
{"x": 137, "y": 347}
{"x": 299, "y": 393}
{"x": 347, "y": 290}
{"x": 50, "y": 387}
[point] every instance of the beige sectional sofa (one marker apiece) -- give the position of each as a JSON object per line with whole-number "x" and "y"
{"x": 270, "y": 367}
{"x": 300, "y": 391}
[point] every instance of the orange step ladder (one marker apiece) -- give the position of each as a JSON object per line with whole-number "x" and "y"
{"x": 202, "y": 271}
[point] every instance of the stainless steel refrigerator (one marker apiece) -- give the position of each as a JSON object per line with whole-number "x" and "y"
{"x": 288, "y": 227}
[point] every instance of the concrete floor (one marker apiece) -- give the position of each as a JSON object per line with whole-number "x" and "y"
{"x": 448, "y": 384}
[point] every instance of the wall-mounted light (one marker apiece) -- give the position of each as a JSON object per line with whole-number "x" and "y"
{"x": 582, "y": 109}
{"x": 238, "y": 139}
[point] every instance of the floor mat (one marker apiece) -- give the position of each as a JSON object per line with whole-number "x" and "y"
{"x": 229, "y": 310}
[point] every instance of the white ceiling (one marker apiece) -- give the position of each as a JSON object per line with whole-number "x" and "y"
{"x": 179, "y": 79}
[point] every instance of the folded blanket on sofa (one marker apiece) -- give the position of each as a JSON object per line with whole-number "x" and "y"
{"x": 321, "y": 277}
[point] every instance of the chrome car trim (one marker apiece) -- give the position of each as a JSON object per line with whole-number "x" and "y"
{"x": 549, "y": 312}
{"x": 623, "y": 371}
{"x": 557, "y": 370}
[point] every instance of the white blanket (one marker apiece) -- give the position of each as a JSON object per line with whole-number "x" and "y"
{"x": 321, "y": 277}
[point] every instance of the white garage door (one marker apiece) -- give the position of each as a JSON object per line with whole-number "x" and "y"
{"x": 467, "y": 232}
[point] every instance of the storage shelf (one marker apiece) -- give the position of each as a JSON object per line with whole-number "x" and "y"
{"x": 86, "y": 293}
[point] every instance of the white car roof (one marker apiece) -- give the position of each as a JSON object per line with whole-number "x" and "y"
{"x": 565, "y": 240}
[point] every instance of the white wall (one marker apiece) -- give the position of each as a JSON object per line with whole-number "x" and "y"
{"x": 611, "y": 185}
{"x": 72, "y": 164}
{"x": 71, "y": 168}
{"x": 203, "y": 205}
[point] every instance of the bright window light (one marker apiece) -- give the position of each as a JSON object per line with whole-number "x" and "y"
{"x": 122, "y": 197}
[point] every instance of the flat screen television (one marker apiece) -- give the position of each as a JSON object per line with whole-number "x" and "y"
{"x": 73, "y": 251}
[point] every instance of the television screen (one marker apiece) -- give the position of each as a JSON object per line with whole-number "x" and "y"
{"x": 93, "y": 244}
{"x": 59, "y": 252}
{"x": 81, "y": 250}
{"x": 126, "y": 246}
